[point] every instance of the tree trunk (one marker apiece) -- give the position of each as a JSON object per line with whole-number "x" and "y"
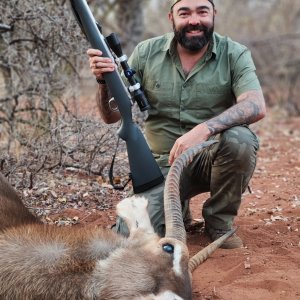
{"x": 130, "y": 18}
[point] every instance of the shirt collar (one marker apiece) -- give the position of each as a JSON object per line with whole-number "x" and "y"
{"x": 214, "y": 45}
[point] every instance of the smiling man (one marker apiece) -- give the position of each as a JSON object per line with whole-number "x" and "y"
{"x": 193, "y": 36}
{"x": 200, "y": 86}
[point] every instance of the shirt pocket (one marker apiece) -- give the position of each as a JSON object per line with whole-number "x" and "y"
{"x": 158, "y": 93}
{"x": 213, "y": 99}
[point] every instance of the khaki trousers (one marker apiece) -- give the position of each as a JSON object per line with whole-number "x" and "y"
{"x": 224, "y": 169}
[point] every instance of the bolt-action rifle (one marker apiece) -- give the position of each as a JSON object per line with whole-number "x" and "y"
{"x": 145, "y": 172}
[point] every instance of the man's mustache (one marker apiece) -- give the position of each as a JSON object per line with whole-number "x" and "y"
{"x": 194, "y": 27}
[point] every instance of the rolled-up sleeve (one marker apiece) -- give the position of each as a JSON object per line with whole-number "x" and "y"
{"x": 244, "y": 76}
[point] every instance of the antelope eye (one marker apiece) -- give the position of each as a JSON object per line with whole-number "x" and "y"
{"x": 168, "y": 248}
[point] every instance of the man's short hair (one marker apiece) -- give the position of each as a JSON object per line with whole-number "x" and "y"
{"x": 173, "y": 2}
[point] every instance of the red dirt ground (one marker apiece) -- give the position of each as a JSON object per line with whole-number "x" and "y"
{"x": 269, "y": 223}
{"x": 268, "y": 267}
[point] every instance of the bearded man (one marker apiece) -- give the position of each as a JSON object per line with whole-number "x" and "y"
{"x": 200, "y": 86}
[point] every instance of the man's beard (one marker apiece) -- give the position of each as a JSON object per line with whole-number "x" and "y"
{"x": 194, "y": 43}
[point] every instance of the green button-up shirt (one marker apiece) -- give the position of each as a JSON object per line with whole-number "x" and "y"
{"x": 179, "y": 102}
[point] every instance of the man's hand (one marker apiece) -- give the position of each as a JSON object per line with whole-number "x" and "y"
{"x": 100, "y": 65}
{"x": 197, "y": 135}
{"x": 250, "y": 108}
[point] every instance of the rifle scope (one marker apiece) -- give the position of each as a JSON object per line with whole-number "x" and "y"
{"x": 135, "y": 87}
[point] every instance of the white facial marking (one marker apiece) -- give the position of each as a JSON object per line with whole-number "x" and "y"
{"x": 167, "y": 295}
{"x": 177, "y": 259}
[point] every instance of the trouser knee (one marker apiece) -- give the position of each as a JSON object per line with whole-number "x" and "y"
{"x": 238, "y": 145}
{"x": 155, "y": 197}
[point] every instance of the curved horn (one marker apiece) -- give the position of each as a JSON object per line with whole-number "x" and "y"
{"x": 203, "y": 254}
{"x": 172, "y": 205}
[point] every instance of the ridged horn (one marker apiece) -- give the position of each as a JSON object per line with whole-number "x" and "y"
{"x": 203, "y": 254}
{"x": 172, "y": 205}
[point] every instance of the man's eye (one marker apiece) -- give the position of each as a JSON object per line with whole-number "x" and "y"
{"x": 203, "y": 12}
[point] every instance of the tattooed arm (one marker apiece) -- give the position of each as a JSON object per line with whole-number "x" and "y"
{"x": 249, "y": 109}
{"x": 106, "y": 105}
{"x": 100, "y": 65}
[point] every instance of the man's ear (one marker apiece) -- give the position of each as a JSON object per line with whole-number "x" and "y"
{"x": 170, "y": 16}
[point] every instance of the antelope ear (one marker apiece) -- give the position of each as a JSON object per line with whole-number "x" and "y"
{"x": 134, "y": 211}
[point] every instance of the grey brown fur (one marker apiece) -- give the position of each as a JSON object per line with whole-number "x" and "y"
{"x": 46, "y": 262}
{"x": 12, "y": 210}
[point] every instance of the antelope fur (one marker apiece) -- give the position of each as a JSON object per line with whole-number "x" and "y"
{"x": 45, "y": 262}
{"x": 39, "y": 261}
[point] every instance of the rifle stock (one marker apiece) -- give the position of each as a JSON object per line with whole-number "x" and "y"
{"x": 145, "y": 172}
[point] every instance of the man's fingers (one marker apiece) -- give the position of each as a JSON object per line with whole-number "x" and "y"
{"x": 99, "y": 67}
{"x": 100, "y": 72}
{"x": 98, "y": 61}
{"x": 171, "y": 156}
{"x": 175, "y": 152}
{"x": 93, "y": 52}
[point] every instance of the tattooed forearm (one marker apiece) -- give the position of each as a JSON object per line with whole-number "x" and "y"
{"x": 102, "y": 99}
{"x": 249, "y": 109}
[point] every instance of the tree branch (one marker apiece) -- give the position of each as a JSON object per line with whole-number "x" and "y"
{"x": 5, "y": 28}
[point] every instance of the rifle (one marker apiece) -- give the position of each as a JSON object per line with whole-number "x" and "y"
{"x": 145, "y": 173}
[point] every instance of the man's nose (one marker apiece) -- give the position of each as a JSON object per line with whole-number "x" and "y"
{"x": 194, "y": 19}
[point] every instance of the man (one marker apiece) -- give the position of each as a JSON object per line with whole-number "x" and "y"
{"x": 200, "y": 86}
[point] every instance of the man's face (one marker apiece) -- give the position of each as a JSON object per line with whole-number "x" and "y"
{"x": 193, "y": 23}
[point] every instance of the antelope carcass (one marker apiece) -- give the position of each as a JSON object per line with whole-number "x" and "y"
{"x": 40, "y": 261}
